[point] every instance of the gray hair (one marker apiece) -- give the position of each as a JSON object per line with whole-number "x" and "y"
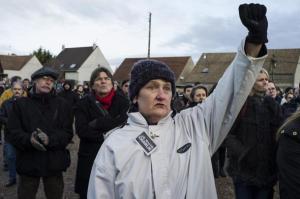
{"x": 18, "y": 82}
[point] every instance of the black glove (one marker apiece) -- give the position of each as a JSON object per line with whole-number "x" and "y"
{"x": 253, "y": 16}
{"x": 36, "y": 142}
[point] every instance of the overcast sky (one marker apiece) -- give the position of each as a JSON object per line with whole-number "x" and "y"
{"x": 120, "y": 28}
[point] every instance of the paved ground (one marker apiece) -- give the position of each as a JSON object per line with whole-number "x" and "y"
{"x": 224, "y": 185}
{"x": 69, "y": 176}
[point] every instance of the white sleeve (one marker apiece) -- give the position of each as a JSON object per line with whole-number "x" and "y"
{"x": 102, "y": 177}
{"x": 213, "y": 119}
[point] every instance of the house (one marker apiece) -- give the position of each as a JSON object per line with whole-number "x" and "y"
{"x": 2, "y": 75}
{"x": 283, "y": 66}
{"x": 181, "y": 66}
{"x": 209, "y": 68}
{"x": 22, "y": 66}
{"x": 78, "y": 63}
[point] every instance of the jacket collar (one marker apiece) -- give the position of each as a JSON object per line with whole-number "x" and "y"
{"x": 137, "y": 118}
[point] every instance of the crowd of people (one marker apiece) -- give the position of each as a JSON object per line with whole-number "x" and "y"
{"x": 141, "y": 139}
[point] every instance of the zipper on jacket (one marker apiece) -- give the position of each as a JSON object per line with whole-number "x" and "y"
{"x": 152, "y": 177}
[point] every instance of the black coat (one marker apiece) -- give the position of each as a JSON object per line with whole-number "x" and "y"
{"x": 180, "y": 103}
{"x": 71, "y": 97}
{"x": 91, "y": 123}
{"x": 290, "y": 107}
{"x": 288, "y": 161}
{"x": 53, "y": 116}
{"x": 5, "y": 110}
{"x": 251, "y": 143}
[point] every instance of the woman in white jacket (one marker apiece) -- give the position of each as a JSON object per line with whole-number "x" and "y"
{"x": 159, "y": 154}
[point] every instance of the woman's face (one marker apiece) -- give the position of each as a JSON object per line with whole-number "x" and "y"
{"x": 261, "y": 83}
{"x": 80, "y": 88}
{"x": 289, "y": 97}
{"x": 154, "y": 100}
{"x": 102, "y": 84}
{"x": 200, "y": 95}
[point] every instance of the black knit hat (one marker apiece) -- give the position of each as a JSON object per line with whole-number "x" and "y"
{"x": 45, "y": 71}
{"x": 145, "y": 70}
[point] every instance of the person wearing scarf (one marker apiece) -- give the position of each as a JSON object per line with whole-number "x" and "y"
{"x": 96, "y": 114}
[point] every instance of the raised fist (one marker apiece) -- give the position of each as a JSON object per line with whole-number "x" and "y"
{"x": 253, "y": 16}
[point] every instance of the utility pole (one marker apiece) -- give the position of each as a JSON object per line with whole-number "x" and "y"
{"x": 149, "y": 37}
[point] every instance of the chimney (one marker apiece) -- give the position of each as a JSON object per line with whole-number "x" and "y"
{"x": 63, "y": 47}
{"x": 94, "y": 46}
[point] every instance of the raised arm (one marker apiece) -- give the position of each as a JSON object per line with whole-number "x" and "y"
{"x": 212, "y": 120}
{"x": 253, "y": 17}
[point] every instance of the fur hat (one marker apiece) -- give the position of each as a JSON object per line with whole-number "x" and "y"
{"x": 145, "y": 70}
{"x": 45, "y": 71}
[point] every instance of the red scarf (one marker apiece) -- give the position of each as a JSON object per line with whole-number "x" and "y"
{"x": 107, "y": 100}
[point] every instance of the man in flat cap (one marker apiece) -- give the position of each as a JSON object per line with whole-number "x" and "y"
{"x": 40, "y": 128}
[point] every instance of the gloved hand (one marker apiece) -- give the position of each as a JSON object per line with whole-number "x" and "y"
{"x": 43, "y": 137}
{"x": 35, "y": 141}
{"x": 253, "y": 16}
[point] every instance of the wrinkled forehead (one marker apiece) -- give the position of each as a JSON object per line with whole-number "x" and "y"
{"x": 262, "y": 75}
{"x": 46, "y": 77}
{"x": 102, "y": 74}
{"x": 17, "y": 85}
{"x": 271, "y": 84}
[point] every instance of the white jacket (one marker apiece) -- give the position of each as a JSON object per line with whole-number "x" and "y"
{"x": 122, "y": 170}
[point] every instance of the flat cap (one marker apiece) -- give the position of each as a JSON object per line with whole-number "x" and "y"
{"x": 45, "y": 71}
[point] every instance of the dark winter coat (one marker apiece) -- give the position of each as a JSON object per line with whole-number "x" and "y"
{"x": 91, "y": 123}
{"x": 71, "y": 97}
{"x": 290, "y": 107}
{"x": 251, "y": 142}
{"x": 288, "y": 160}
{"x": 52, "y": 115}
{"x": 180, "y": 103}
{"x": 5, "y": 109}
